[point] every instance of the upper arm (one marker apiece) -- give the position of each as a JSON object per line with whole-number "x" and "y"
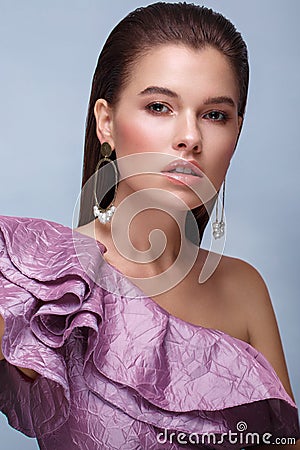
{"x": 1, "y": 334}
{"x": 262, "y": 325}
{"x": 30, "y": 373}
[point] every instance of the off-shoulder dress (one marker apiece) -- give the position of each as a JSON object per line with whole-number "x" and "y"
{"x": 115, "y": 370}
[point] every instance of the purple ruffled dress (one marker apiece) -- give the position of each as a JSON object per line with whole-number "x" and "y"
{"x": 116, "y": 370}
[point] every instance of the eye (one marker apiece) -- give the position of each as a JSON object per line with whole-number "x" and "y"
{"x": 216, "y": 116}
{"x": 158, "y": 108}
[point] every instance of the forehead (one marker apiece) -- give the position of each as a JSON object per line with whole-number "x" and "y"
{"x": 185, "y": 69}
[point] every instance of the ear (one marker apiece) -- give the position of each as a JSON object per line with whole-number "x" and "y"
{"x": 240, "y": 123}
{"x": 240, "y": 126}
{"x": 103, "y": 116}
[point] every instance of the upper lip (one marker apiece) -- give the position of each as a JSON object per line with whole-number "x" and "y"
{"x": 191, "y": 164}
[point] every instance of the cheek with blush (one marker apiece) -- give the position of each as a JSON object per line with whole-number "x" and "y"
{"x": 217, "y": 163}
{"x": 132, "y": 137}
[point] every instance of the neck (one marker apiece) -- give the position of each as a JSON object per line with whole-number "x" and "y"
{"x": 151, "y": 238}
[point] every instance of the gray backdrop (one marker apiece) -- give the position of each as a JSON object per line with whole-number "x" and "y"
{"x": 48, "y": 55}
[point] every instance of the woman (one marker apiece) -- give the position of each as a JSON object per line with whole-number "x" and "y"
{"x": 112, "y": 345}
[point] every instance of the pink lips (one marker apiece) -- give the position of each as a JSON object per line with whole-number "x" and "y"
{"x": 192, "y": 165}
{"x": 182, "y": 178}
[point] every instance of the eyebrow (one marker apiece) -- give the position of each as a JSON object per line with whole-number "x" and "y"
{"x": 209, "y": 101}
{"x": 218, "y": 100}
{"x": 159, "y": 90}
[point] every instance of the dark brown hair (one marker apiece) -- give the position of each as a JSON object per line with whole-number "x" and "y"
{"x": 140, "y": 31}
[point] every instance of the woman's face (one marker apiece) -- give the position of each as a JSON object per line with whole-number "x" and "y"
{"x": 179, "y": 103}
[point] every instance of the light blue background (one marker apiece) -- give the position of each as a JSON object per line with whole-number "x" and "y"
{"x": 48, "y": 55}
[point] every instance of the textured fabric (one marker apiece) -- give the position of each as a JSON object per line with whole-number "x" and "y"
{"x": 115, "y": 369}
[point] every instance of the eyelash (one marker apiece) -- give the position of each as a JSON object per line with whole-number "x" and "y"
{"x": 224, "y": 115}
{"x": 155, "y": 104}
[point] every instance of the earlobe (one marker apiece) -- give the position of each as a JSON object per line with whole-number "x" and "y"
{"x": 103, "y": 116}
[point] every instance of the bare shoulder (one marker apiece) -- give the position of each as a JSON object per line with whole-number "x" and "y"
{"x": 244, "y": 282}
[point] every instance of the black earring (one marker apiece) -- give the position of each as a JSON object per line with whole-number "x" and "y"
{"x": 105, "y": 214}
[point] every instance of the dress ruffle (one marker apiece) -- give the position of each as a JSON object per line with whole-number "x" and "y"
{"x": 58, "y": 293}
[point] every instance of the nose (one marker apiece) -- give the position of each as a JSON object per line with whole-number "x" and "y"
{"x": 187, "y": 136}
